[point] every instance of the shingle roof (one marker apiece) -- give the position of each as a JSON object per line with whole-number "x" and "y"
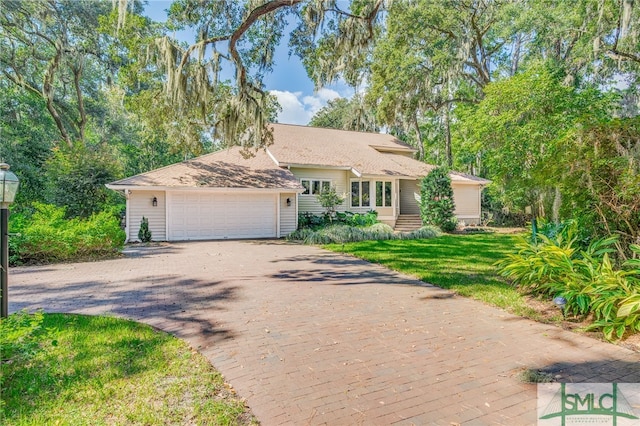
{"x": 367, "y": 154}
{"x": 222, "y": 169}
{"x": 370, "y": 154}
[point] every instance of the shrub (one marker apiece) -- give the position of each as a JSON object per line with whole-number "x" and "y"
{"x": 309, "y": 220}
{"x": 340, "y": 234}
{"x": 423, "y": 233}
{"x": 587, "y": 279}
{"x": 436, "y": 205}
{"x": 329, "y": 199}
{"x": 45, "y": 236}
{"x": 144, "y": 233}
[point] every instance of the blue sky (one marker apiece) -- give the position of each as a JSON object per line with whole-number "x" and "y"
{"x": 288, "y": 81}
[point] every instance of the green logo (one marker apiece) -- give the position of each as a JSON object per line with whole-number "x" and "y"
{"x": 585, "y": 400}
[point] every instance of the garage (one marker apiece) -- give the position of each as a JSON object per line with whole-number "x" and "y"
{"x": 196, "y": 215}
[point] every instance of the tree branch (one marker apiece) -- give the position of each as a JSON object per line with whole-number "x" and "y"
{"x": 47, "y": 92}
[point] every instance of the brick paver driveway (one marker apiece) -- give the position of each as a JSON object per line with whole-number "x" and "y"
{"x": 312, "y": 337}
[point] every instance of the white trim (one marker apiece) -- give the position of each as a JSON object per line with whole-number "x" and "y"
{"x": 314, "y": 166}
{"x": 166, "y": 214}
{"x": 278, "y": 202}
{"x": 126, "y": 216}
{"x": 272, "y": 157}
{"x": 202, "y": 188}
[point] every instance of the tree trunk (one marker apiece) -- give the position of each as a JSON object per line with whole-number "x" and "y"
{"x": 82, "y": 121}
{"x": 420, "y": 144}
{"x": 447, "y": 136}
{"x": 48, "y": 93}
{"x": 515, "y": 59}
{"x": 557, "y": 203}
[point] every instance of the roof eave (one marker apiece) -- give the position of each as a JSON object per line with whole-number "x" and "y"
{"x": 198, "y": 188}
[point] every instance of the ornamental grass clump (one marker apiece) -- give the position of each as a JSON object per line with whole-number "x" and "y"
{"x": 340, "y": 234}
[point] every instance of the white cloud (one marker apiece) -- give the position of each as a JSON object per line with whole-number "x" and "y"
{"x": 298, "y": 109}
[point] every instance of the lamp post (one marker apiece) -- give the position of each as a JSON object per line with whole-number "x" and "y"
{"x": 8, "y": 189}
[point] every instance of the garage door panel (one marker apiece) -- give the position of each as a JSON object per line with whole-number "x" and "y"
{"x": 219, "y": 216}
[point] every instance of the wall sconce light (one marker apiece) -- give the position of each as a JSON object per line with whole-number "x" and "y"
{"x": 154, "y": 202}
{"x": 288, "y": 202}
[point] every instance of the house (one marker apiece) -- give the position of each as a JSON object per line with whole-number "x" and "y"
{"x": 225, "y": 195}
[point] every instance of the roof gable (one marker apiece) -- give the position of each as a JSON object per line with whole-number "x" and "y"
{"x": 365, "y": 154}
{"x": 222, "y": 169}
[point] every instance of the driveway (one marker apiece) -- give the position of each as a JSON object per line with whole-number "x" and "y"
{"x": 313, "y": 337}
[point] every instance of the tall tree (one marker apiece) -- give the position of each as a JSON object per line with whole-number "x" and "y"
{"x": 434, "y": 53}
{"x": 346, "y": 114}
{"x": 48, "y": 48}
{"x": 242, "y": 36}
{"x": 517, "y": 129}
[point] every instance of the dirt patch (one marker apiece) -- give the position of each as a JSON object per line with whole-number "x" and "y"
{"x": 547, "y": 312}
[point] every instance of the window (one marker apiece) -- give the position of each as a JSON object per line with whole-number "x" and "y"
{"x": 383, "y": 194}
{"x": 313, "y": 187}
{"x": 360, "y": 193}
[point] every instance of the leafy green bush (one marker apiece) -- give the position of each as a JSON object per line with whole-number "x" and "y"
{"x": 46, "y": 236}
{"x": 436, "y": 205}
{"x": 309, "y": 220}
{"x": 587, "y": 279}
{"x": 76, "y": 178}
{"x": 358, "y": 219}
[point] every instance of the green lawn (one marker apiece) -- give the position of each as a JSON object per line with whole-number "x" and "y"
{"x": 81, "y": 370}
{"x": 462, "y": 263}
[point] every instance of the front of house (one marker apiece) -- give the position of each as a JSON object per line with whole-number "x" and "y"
{"x": 226, "y": 196}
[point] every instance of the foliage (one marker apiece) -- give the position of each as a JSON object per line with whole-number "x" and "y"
{"x": 46, "y": 236}
{"x": 436, "y": 202}
{"x": 76, "y": 179}
{"x": 27, "y": 135}
{"x": 329, "y": 199}
{"x": 69, "y": 55}
{"x": 340, "y": 234}
{"x": 144, "y": 233}
{"x": 101, "y": 370}
{"x": 358, "y": 219}
{"x": 587, "y": 279}
{"x": 431, "y": 55}
{"x": 603, "y": 179}
{"x": 309, "y": 220}
{"x": 346, "y": 114}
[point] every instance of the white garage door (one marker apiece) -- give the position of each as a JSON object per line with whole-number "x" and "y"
{"x": 201, "y": 216}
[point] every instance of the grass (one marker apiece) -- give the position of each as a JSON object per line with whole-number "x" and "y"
{"x": 461, "y": 263}
{"x": 102, "y": 371}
